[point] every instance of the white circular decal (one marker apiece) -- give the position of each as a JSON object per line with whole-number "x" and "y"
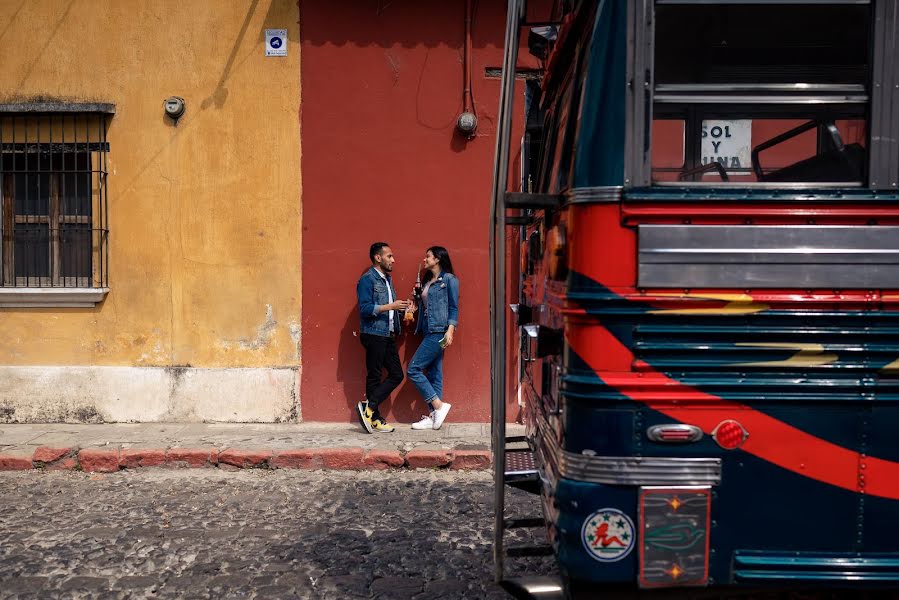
{"x": 608, "y": 535}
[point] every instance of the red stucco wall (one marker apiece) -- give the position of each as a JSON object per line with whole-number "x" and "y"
{"x": 381, "y": 90}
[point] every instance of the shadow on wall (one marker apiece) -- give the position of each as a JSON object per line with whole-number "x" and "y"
{"x": 404, "y": 405}
{"x": 384, "y": 23}
{"x": 281, "y": 15}
{"x": 351, "y": 361}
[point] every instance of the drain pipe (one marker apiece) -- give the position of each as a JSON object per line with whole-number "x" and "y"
{"x": 467, "y": 122}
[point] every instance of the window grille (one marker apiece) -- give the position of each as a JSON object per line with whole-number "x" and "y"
{"x": 53, "y": 200}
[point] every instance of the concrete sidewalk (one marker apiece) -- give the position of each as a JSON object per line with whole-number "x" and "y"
{"x": 114, "y": 446}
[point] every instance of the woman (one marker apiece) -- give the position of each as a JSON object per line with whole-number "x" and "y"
{"x": 437, "y": 322}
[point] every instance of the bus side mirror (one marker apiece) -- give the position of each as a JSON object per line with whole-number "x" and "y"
{"x": 524, "y": 313}
{"x": 544, "y": 341}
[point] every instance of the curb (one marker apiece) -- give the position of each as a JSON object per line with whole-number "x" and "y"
{"x": 93, "y": 460}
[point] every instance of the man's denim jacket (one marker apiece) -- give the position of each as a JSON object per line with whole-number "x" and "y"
{"x": 443, "y": 304}
{"x": 371, "y": 292}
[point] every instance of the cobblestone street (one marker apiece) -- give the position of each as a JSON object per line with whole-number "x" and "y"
{"x": 256, "y": 533}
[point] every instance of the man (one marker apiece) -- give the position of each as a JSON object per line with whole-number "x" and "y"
{"x": 381, "y": 314}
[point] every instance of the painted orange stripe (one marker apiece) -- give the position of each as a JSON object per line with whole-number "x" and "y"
{"x": 769, "y": 439}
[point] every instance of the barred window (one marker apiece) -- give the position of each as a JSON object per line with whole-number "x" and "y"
{"x": 53, "y": 197}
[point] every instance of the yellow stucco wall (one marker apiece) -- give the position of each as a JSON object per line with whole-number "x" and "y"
{"x": 205, "y": 216}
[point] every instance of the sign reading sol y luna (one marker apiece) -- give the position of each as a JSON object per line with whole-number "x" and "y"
{"x": 727, "y": 142}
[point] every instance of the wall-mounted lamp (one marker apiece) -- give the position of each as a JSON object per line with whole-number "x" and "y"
{"x": 174, "y": 107}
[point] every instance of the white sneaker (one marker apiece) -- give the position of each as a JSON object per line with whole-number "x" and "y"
{"x": 440, "y": 414}
{"x": 427, "y": 422}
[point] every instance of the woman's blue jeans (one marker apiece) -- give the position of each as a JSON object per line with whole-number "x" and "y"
{"x": 426, "y": 368}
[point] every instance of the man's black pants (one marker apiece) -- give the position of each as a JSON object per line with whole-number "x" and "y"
{"x": 380, "y": 353}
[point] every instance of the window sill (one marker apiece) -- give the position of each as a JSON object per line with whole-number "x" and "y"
{"x": 33, "y": 297}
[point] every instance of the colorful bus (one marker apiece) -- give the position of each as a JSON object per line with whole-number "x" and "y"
{"x": 706, "y": 328}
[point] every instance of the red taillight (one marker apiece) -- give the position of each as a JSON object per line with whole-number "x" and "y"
{"x": 674, "y": 433}
{"x": 674, "y": 436}
{"x": 730, "y": 435}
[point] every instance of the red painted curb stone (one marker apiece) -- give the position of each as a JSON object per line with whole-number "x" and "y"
{"x": 109, "y": 461}
{"x": 45, "y": 455}
{"x": 303, "y": 458}
{"x": 55, "y": 459}
{"x": 133, "y": 458}
{"x": 14, "y": 463}
{"x": 342, "y": 458}
{"x": 472, "y": 459}
{"x": 245, "y": 459}
{"x": 191, "y": 457}
{"x": 383, "y": 459}
{"x": 99, "y": 461}
{"x": 428, "y": 459}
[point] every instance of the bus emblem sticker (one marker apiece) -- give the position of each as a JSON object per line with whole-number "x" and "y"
{"x": 608, "y": 535}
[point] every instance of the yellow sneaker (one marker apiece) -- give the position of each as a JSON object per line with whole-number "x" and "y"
{"x": 365, "y": 415}
{"x": 381, "y": 426}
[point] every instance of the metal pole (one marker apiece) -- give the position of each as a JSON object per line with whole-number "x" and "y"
{"x": 497, "y": 280}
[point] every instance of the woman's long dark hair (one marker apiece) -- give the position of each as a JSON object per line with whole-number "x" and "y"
{"x": 443, "y": 257}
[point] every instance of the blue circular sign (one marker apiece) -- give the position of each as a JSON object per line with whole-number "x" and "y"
{"x": 276, "y": 42}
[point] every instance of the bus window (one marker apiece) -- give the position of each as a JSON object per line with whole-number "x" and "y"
{"x": 667, "y": 149}
{"x": 730, "y": 43}
{"x": 758, "y": 149}
{"x": 755, "y": 93}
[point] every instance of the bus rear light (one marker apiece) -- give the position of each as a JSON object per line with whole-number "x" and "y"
{"x": 729, "y": 434}
{"x": 674, "y": 433}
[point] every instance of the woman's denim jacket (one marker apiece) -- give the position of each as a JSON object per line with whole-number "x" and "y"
{"x": 443, "y": 304}
{"x": 371, "y": 292}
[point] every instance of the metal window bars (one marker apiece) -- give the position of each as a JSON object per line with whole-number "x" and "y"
{"x": 53, "y": 197}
